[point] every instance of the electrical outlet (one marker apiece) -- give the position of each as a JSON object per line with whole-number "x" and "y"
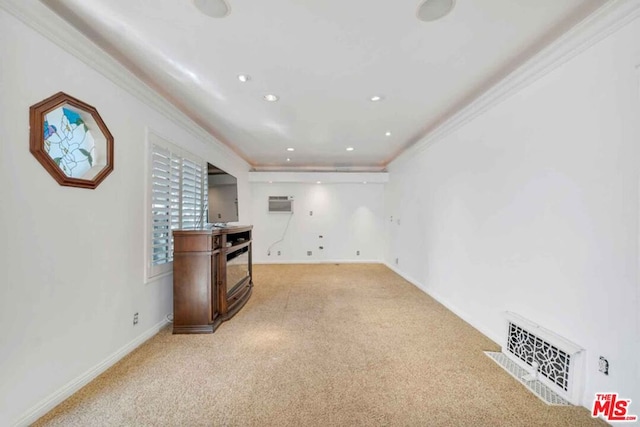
{"x": 396, "y": 261}
{"x": 135, "y": 318}
{"x": 357, "y": 252}
{"x": 310, "y": 213}
{"x": 603, "y": 365}
{"x": 320, "y": 236}
{"x": 268, "y": 253}
{"x": 279, "y": 253}
{"x": 398, "y": 221}
{"x": 309, "y": 253}
{"x": 320, "y": 247}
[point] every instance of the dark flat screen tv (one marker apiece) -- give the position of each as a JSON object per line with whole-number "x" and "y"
{"x": 222, "y": 197}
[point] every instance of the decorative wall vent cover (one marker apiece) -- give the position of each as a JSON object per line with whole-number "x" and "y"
{"x": 552, "y": 362}
{"x": 281, "y": 204}
{"x": 546, "y": 363}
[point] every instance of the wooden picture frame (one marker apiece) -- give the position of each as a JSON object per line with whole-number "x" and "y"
{"x": 71, "y": 141}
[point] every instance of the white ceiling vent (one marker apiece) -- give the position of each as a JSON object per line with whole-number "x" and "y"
{"x": 281, "y": 204}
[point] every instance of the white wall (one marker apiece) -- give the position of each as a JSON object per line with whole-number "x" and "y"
{"x": 347, "y": 215}
{"x": 72, "y": 259}
{"x": 532, "y": 207}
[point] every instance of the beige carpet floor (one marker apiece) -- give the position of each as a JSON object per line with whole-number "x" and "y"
{"x": 317, "y": 345}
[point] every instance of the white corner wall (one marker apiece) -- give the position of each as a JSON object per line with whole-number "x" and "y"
{"x": 73, "y": 259}
{"x": 533, "y": 207}
{"x": 348, "y": 216}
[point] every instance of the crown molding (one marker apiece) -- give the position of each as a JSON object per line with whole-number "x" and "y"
{"x": 340, "y": 169}
{"x": 608, "y": 19}
{"x": 43, "y": 20}
{"x": 324, "y": 177}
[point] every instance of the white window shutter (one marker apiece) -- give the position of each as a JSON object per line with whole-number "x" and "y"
{"x": 165, "y": 199}
{"x": 178, "y": 200}
{"x": 192, "y": 202}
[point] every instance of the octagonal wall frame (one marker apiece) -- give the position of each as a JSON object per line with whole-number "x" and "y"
{"x": 53, "y": 144}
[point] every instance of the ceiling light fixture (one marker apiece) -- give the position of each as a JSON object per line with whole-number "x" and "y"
{"x": 432, "y": 10}
{"x": 318, "y": 182}
{"x": 244, "y": 77}
{"x": 288, "y": 159}
{"x": 387, "y": 134}
{"x": 349, "y": 148}
{"x": 376, "y": 98}
{"x": 291, "y": 149}
{"x": 271, "y": 97}
{"x": 213, "y": 8}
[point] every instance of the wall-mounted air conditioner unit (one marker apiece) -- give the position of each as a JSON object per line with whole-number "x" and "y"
{"x": 280, "y": 204}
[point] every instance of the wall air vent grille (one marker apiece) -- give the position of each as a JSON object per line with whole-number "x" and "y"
{"x": 545, "y": 360}
{"x": 553, "y": 363}
{"x": 280, "y": 204}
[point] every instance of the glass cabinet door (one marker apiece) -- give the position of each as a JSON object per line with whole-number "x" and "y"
{"x": 237, "y": 268}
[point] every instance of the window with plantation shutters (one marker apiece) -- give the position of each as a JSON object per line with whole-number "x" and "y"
{"x": 192, "y": 201}
{"x": 178, "y": 199}
{"x": 165, "y": 203}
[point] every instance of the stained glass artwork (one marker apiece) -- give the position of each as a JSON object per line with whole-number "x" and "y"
{"x": 71, "y": 141}
{"x": 68, "y": 141}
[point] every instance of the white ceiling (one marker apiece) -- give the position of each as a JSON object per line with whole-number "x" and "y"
{"x": 324, "y": 59}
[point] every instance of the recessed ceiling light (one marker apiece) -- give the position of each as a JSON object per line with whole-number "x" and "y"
{"x": 432, "y": 10}
{"x": 349, "y": 148}
{"x": 288, "y": 159}
{"x": 318, "y": 182}
{"x": 270, "y": 182}
{"x": 376, "y": 98}
{"x": 271, "y": 97}
{"x": 244, "y": 77}
{"x": 291, "y": 149}
{"x": 387, "y": 133}
{"x": 213, "y": 8}
{"x": 364, "y": 182}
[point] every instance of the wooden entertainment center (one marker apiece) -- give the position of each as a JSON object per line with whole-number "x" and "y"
{"x": 212, "y": 277}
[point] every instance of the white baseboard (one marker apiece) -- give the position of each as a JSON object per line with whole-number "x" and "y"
{"x": 322, "y": 261}
{"x": 451, "y": 307}
{"x": 54, "y": 399}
